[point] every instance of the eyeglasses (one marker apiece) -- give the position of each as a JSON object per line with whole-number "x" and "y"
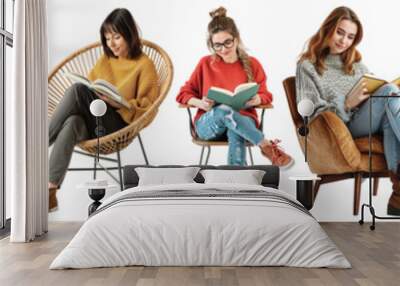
{"x": 227, "y": 44}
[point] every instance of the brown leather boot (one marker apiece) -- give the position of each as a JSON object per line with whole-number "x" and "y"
{"x": 394, "y": 200}
{"x": 53, "y": 203}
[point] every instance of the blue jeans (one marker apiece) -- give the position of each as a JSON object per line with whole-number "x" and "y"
{"x": 385, "y": 119}
{"x": 222, "y": 119}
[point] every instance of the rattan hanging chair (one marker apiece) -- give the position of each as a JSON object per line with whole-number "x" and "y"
{"x": 81, "y": 62}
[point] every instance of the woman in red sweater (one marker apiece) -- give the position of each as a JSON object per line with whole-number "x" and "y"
{"x": 227, "y": 67}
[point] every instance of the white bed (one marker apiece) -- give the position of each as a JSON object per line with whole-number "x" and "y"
{"x": 222, "y": 225}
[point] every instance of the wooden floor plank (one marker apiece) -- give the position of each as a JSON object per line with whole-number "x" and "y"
{"x": 374, "y": 255}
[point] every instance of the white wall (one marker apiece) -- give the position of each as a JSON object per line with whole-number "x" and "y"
{"x": 273, "y": 31}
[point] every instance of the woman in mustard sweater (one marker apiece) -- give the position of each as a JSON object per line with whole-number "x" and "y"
{"x": 227, "y": 67}
{"x": 124, "y": 65}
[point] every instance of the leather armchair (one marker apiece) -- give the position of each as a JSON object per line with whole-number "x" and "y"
{"x": 332, "y": 152}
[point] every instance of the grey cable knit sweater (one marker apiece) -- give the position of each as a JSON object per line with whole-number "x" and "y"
{"x": 327, "y": 92}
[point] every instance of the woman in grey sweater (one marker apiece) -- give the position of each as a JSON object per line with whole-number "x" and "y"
{"x": 327, "y": 71}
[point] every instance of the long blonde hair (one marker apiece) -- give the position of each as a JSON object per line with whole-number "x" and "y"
{"x": 220, "y": 22}
{"x": 318, "y": 48}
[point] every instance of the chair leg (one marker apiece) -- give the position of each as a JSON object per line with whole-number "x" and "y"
{"x": 201, "y": 155}
{"x": 357, "y": 192}
{"x": 375, "y": 186}
{"x": 121, "y": 183}
{"x": 143, "y": 151}
{"x": 251, "y": 156}
{"x": 208, "y": 154}
{"x": 316, "y": 187}
{"x": 94, "y": 168}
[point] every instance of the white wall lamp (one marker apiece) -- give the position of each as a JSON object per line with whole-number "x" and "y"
{"x": 305, "y": 108}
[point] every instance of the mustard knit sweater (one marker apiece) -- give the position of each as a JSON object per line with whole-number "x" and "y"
{"x": 135, "y": 79}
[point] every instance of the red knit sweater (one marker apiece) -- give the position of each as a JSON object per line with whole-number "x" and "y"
{"x": 213, "y": 71}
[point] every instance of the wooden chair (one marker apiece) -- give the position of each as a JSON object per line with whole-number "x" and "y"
{"x": 332, "y": 152}
{"x": 204, "y": 144}
{"x": 82, "y": 62}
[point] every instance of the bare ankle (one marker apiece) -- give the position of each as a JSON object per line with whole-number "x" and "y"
{"x": 264, "y": 143}
{"x": 52, "y": 185}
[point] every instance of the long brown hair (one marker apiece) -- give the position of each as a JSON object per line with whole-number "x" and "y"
{"x": 318, "y": 48}
{"x": 221, "y": 23}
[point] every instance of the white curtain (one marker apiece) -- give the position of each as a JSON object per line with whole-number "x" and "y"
{"x": 27, "y": 123}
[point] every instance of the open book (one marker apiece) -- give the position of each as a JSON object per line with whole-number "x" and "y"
{"x": 100, "y": 86}
{"x": 372, "y": 83}
{"x": 237, "y": 99}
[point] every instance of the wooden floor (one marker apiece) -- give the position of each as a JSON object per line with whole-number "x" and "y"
{"x": 374, "y": 255}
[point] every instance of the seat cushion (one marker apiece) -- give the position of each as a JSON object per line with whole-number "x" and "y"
{"x": 378, "y": 163}
{"x": 363, "y": 144}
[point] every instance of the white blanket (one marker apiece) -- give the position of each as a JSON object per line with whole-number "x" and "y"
{"x": 181, "y": 231}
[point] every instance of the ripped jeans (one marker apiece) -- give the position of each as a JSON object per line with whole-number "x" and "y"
{"x": 385, "y": 119}
{"x": 221, "y": 120}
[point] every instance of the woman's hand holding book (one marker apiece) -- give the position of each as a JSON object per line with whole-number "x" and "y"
{"x": 357, "y": 96}
{"x": 254, "y": 101}
{"x": 205, "y": 103}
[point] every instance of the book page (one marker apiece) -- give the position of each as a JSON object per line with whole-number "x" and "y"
{"x": 244, "y": 86}
{"x": 77, "y": 78}
{"x": 104, "y": 90}
{"x": 222, "y": 90}
{"x": 373, "y": 82}
{"x": 396, "y": 81}
{"x": 104, "y": 87}
{"x": 236, "y": 101}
